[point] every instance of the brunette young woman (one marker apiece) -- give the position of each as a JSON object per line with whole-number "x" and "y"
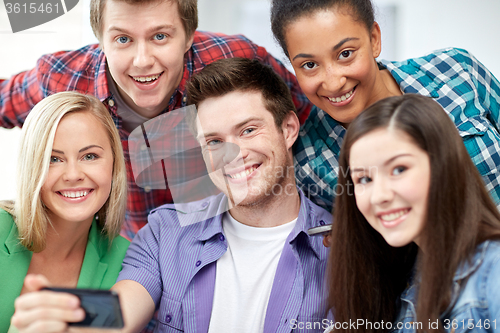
{"x": 332, "y": 46}
{"x": 70, "y": 206}
{"x": 416, "y": 238}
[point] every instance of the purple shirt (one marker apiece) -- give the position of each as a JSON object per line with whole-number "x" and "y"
{"x": 174, "y": 258}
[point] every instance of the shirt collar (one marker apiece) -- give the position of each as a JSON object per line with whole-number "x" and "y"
{"x": 308, "y": 217}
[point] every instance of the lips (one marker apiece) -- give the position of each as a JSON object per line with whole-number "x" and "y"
{"x": 393, "y": 218}
{"x": 74, "y": 194}
{"x": 244, "y": 173}
{"x": 342, "y": 99}
{"x": 146, "y": 79}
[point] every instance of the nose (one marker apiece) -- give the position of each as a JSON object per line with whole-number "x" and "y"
{"x": 382, "y": 191}
{"x": 144, "y": 57}
{"x": 73, "y": 172}
{"x": 333, "y": 79}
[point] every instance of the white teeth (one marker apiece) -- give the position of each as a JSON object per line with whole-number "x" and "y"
{"x": 146, "y": 78}
{"x": 74, "y": 194}
{"x": 242, "y": 174}
{"x": 393, "y": 216}
{"x": 341, "y": 98}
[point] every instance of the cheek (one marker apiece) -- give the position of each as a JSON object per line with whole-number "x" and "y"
{"x": 362, "y": 199}
{"x": 308, "y": 84}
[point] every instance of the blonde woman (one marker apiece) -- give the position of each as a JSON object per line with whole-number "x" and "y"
{"x": 71, "y": 197}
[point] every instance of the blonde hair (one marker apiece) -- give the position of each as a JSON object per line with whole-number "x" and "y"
{"x": 37, "y": 138}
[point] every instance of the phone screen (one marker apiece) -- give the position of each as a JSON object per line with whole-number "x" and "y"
{"x": 102, "y": 307}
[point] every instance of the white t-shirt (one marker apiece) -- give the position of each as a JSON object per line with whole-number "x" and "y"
{"x": 245, "y": 275}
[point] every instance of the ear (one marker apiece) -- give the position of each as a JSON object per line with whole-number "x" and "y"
{"x": 189, "y": 42}
{"x": 290, "y": 128}
{"x": 376, "y": 40}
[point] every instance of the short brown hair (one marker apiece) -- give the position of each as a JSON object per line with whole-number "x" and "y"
{"x": 242, "y": 74}
{"x": 188, "y": 11}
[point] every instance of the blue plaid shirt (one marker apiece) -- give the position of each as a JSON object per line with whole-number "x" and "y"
{"x": 454, "y": 78}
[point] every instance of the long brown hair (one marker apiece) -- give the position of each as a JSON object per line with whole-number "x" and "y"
{"x": 367, "y": 275}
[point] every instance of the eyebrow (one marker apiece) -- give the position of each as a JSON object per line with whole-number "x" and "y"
{"x": 80, "y": 151}
{"x": 239, "y": 125}
{"x": 335, "y": 48}
{"x": 159, "y": 27}
{"x": 389, "y": 161}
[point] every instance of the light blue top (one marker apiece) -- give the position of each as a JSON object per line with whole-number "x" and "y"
{"x": 475, "y": 305}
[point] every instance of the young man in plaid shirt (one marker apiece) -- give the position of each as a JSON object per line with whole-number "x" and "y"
{"x": 147, "y": 52}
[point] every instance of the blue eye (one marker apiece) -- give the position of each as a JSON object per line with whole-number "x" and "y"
{"x": 345, "y": 54}
{"x": 248, "y": 131}
{"x": 309, "y": 65}
{"x": 213, "y": 142}
{"x": 122, "y": 39}
{"x": 54, "y": 159}
{"x": 90, "y": 157}
{"x": 160, "y": 36}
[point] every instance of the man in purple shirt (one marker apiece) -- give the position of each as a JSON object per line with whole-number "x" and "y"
{"x": 240, "y": 261}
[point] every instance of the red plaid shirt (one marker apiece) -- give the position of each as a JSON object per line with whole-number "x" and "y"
{"x": 84, "y": 70}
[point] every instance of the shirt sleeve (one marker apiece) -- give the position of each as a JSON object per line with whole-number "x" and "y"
{"x": 18, "y": 95}
{"x": 300, "y": 100}
{"x": 488, "y": 89}
{"x": 484, "y": 148}
{"x": 141, "y": 263}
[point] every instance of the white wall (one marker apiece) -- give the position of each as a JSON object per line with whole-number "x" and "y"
{"x": 410, "y": 28}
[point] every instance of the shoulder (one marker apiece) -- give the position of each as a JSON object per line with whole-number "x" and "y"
{"x": 209, "y": 46}
{"x": 87, "y": 58}
{"x": 187, "y": 213}
{"x": 6, "y": 224}
{"x": 444, "y": 60}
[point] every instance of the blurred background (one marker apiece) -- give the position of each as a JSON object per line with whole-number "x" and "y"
{"x": 409, "y": 29}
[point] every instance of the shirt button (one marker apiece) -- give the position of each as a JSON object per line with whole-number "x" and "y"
{"x": 147, "y": 189}
{"x": 168, "y": 318}
{"x": 144, "y": 147}
{"x": 198, "y": 263}
{"x": 204, "y": 205}
{"x": 111, "y": 102}
{"x": 322, "y": 222}
{"x": 221, "y": 237}
{"x": 184, "y": 99}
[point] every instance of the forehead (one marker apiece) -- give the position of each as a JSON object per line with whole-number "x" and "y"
{"x": 223, "y": 113}
{"x": 329, "y": 24}
{"x": 380, "y": 145}
{"x": 81, "y": 125}
{"x": 117, "y": 12}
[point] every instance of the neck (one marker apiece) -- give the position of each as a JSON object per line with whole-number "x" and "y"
{"x": 273, "y": 211}
{"x": 66, "y": 239}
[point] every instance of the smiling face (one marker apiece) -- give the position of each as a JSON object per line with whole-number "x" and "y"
{"x": 145, "y": 46}
{"x": 391, "y": 176}
{"x": 264, "y": 162}
{"x": 81, "y": 169}
{"x": 333, "y": 56}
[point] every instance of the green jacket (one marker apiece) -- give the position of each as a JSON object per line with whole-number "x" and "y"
{"x": 100, "y": 267}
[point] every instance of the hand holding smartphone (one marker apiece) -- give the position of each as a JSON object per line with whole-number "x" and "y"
{"x": 102, "y": 307}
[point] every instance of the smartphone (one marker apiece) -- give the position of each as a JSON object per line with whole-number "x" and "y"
{"x": 321, "y": 230}
{"x": 102, "y": 307}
